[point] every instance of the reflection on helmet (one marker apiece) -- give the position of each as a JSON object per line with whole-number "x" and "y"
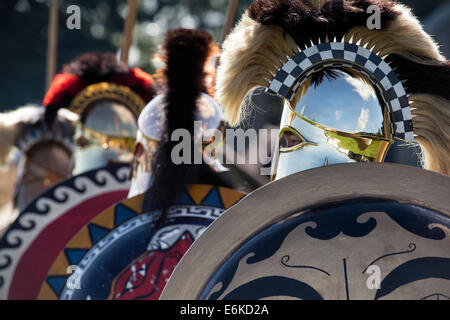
{"x": 338, "y": 118}
{"x": 106, "y": 135}
{"x": 151, "y": 126}
{"x": 111, "y": 118}
{"x": 142, "y": 164}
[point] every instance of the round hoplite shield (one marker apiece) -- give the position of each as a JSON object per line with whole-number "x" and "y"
{"x": 127, "y": 254}
{"x": 32, "y": 243}
{"x": 358, "y": 231}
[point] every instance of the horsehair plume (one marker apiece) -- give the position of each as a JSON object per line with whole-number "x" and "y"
{"x": 270, "y": 29}
{"x": 95, "y": 67}
{"x": 91, "y": 68}
{"x": 88, "y": 68}
{"x": 251, "y": 55}
{"x": 431, "y": 118}
{"x": 185, "y": 53}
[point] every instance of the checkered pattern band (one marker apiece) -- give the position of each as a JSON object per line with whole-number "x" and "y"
{"x": 300, "y": 66}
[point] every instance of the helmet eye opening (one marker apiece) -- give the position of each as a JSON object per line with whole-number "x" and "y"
{"x": 291, "y": 140}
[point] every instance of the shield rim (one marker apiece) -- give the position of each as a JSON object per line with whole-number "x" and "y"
{"x": 40, "y": 214}
{"x": 136, "y": 203}
{"x": 399, "y": 182}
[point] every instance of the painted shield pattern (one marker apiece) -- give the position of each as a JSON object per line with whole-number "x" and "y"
{"x": 32, "y": 243}
{"x": 359, "y": 231}
{"x": 126, "y": 254}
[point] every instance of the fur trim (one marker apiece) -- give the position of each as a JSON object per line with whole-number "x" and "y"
{"x": 403, "y": 36}
{"x": 94, "y": 67}
{"x": 337, "y": 19}
{"x": 422, "y": 78}
{"x": 402, "y": 42}
{"x": 251, "y": 55}
{"x": 277, "y": 31}
{"x": 12, "y": 125}
{"x": 186, "y": 53}
{"x": 62, "y": 90}
{"x": 305, "y": 22}
{"x": 15, "y": 124}
{"x": 65, "y": 115}
{"x": 431, "y": 118}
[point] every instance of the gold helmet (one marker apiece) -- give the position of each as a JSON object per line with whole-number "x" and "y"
{"x": 109, "y": 97}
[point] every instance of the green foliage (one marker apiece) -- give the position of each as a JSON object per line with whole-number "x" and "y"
{"x": 24, "y": 30}
{"x": 24, "y": 23}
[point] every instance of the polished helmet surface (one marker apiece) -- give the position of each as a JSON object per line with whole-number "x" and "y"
{"x": 340, "y": 118}
{"x": 342, "y": 104}
{"x": 105, "y": 135}
{"x": 107, "y": 131}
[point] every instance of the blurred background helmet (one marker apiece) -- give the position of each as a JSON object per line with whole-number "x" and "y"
{"x": 151, "y": 131}
{"x": 108, "y": 96}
